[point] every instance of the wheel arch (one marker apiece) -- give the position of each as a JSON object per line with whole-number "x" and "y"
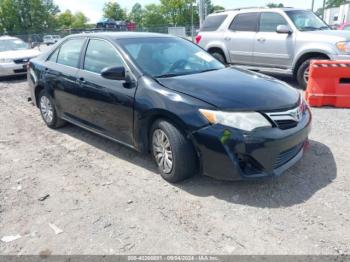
{"x": 308, "y": 55}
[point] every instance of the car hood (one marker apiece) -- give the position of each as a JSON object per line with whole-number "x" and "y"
{"x": 336, "y": 35}
{"x": 235, "y": 89}
{"x": 17, "y": 54}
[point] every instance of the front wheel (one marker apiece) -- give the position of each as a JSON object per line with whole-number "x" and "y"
{"x": 48, "y": 111}
{"x": 172, "y": 152}
{"x": 303, "y": 72}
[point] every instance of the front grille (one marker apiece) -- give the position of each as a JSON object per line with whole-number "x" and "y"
{"x": 287, "y": 119}
{"x": 21, "y": 61}
{"x": 18, "y": 71}
{"x": 287, "y": 155}
{"x": 286, "y": 124}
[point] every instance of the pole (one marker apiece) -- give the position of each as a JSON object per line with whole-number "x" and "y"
{"x": 192, "y": 25}
{"x": 323, "y": 8}
{"x": 201, "y": 18}
{"x": 312, "y": 5}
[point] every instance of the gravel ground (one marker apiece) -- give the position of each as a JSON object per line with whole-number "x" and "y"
{"x": 108, "y": 199}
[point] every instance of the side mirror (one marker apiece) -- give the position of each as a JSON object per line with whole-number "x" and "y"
{"x": 284, "y": 29}
{"x": 114, "y": 73}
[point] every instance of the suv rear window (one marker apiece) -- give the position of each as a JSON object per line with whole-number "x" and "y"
{"x": 212, "y": 23}
{"x": 245, "y": 22}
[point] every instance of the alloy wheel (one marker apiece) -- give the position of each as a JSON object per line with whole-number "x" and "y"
{"x": 162, "y": 151}
{"x": 46, "y": 109}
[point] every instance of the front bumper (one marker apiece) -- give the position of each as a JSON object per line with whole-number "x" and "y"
{"x": 231, "y": 154}
{"x": 11, "y": 69}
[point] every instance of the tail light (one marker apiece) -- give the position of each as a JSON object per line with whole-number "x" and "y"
{"x": 198, "y": 39}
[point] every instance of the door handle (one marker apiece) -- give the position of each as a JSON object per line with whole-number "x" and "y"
{"x": 227, "y": 38}
{"x": 81, "y": 81}
{"x": 261, "y": 39}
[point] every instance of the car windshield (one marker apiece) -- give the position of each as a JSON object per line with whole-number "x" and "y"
{"x": 167, "y": 57}
{"x": 307, "y": 20}
{"x": 12, "y": 45}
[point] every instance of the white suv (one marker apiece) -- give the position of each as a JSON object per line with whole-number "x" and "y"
{"x": 277, "y": 40}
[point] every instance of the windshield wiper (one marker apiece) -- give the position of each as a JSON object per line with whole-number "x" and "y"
{"x": 312, "y": 28}
{"x": 167, "y": 75}
{"x": 208, "y": 70}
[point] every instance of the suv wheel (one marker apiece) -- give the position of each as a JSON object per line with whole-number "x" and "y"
{"x": 48, "y": 111}
{"x": 172, "y": 152}
{"x": 303, "y": 72}
{"x": 219, "y": 56}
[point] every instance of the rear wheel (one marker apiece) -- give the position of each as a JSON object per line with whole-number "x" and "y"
{"x": 48, "y": 111}
{"x": 172, "y": 152}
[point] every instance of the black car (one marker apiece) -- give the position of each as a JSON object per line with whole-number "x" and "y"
{"x": 165, "y": 95}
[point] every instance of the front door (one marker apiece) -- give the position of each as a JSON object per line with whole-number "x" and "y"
{"x": 272, "y": 49}
{"x": 106, "y": 105}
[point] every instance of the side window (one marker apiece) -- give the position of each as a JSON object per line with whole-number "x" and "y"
{"x": 212, "y": 23}
{"x": 100, "y": 55}
{"x": 270, "y": 21}
{"x": 70, "y": 52}
{"x": 53, "y": 56}
{"x": 245, "y": 22}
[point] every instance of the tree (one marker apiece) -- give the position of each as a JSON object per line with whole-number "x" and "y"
{"x": 273, "y": 5}
{"x": 80, "y": 21}
{"x": 136, "y": 14}
{"x": 27, "y": 16}
{"x": 335, "y": 3}
{"x": 65, "y": 19}
{"x": 112, "y": 10}
{"x": 153, "y": 16}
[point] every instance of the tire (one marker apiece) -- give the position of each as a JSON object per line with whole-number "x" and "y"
{"x": 219, "y": 56}
{"x": 301, "y": 72}
{"x": 48, "y": 111}
{"x": 183, "y": 158}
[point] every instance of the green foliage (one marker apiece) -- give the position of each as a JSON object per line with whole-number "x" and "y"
{"x": 153, "y": 16}
{"x": 112, "y": 10}
{"x": 136, "y": 14}
{"x": 27, "y": 16}
{"x": 273, "y": 5}
{"x": 335, "y": 3}
{"x": 67, "y": 20}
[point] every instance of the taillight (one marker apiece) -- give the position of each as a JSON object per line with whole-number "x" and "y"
{"x": 198, "y": 39}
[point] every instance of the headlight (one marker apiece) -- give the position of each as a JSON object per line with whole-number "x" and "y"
{"x": 5, "y": 60}
{"x": 343, "y": 47}
{"x": 247, "y": 121}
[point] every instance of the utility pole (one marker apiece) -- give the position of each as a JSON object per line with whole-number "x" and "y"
{"x": 192, "y": 22}
{"x": 201, "y": 13}
{"x": 312, "y": 5}
{"x": 323, "y": 8}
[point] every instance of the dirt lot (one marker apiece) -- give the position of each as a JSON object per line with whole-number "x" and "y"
{"x": 108, "y": 199}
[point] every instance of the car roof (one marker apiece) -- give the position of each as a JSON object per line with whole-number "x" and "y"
{"x": 121, "y": 35}
{"x": 256, "y": 9}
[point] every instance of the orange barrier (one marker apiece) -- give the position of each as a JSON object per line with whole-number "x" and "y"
{"x": 329, "y": 84}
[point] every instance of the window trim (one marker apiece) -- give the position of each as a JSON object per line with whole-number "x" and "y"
{"x": 266, "y": 12}
{"x": 256, "y": 25}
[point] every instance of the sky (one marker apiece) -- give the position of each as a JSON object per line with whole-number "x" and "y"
{"x": 93, "y": 8}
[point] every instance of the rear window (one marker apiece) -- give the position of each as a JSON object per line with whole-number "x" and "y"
{"x": 245, "y": 22}
{"x": 212, "y": 23}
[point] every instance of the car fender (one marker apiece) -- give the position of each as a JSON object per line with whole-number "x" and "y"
{"x": 322, "y": 48}
{"x": 220, "y": 45}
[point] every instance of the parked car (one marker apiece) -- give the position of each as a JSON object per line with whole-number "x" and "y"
{"x": 14, "y": 56}
{"x": 345, "y": 26}
{"x": 162, "y": 94}
{"x": 51, "y": 39}
{"x": 281, "y": 40}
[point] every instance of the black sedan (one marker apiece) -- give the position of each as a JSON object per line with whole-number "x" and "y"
{"x": 165, "y": 95}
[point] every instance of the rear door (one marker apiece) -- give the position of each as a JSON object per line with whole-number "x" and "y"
{"x": 61, "y": 75}
{"x": 106, "y": 105}
{"x": 240, "y": 38}
{"x": 273, "y": 49}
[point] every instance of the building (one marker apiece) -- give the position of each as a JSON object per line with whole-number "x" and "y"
{"x": 337, "y": 15}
